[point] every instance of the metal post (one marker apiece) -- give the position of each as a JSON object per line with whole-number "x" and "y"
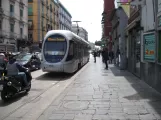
{"x": 77, "y": 26}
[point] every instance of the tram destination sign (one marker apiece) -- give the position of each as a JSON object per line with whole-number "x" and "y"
{"x": 56, "y": 39}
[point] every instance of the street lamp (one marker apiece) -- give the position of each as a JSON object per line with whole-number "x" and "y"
{"x": 77, "y": 26}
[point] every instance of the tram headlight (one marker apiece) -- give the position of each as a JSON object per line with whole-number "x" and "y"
{"x": 9, "y": 83}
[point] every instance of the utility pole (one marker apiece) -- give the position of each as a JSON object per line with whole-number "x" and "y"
{"x": 77, "y": 26}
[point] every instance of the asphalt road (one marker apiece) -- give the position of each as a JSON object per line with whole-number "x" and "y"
{"x": 45, "y": 88}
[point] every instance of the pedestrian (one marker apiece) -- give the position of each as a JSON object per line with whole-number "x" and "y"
{"x": 106, "y": 57}
{"x": 103, "y": 54}
{"x": 95, "y": 55}
{"x": 110, "y": 57}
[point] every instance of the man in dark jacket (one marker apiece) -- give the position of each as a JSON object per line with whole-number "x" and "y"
{"x": 14, "y": 68}
{"x": 106, "y": 57}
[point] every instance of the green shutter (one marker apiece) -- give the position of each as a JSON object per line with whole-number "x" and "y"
{"x": 30, "y": 11}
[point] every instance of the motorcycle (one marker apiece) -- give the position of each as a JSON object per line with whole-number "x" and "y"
{"x": 12, "y": 85}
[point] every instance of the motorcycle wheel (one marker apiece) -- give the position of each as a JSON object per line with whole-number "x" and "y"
{"x": 4, "y": 96}
{"x": 27, "y": 90}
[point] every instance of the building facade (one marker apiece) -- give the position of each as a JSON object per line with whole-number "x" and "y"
{"x": 43, "y": 16}
{"x": 80, "y": 31}
{"x": 65, "y": 18}
{"x": 119, "y": 21}
{"x": 144, "y": 41}
{"x": 13, "y": 23}
{"x": 107, "y": 26}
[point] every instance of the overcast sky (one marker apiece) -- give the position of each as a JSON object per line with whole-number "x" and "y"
{"x": 89, "y": 12}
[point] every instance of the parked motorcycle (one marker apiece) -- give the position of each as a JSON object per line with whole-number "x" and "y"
{"x": 12, "y": 85}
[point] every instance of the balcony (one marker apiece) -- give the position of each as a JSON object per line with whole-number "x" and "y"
{"x": 47, "y": 17}
{"x": 1, "y": 12}
{"x": 2, "y": 34}
{"x": 21, "y": 18}
{"x": 42, "y": 1}
{"x": 43, "y": 28}
{"x": 21, "y": 3}
{"x": 13, "y": 1}
{"x": 133, "y": 16}
{"x": 51, "y": 19}
{"x": 48, "y": 7}
{"x": 12, "y": 17}
{"x": 51, "y": 9}
{"x": 43, "y": 15}
{"x": 23, "y": 37}
{"x": 30, "y": 27}
{"x": 12, "y": 35}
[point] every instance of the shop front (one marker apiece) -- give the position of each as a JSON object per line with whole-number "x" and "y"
{"x": 134, "y": 57}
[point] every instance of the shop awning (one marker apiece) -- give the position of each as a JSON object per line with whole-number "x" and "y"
{"x": 132, "y": 24}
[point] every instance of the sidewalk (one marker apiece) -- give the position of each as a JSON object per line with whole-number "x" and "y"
{"x": 99, "y": 94}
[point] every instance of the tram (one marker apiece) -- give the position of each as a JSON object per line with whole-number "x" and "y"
{"x": 64, "y": 51}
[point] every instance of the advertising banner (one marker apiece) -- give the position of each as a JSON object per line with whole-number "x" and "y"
{"x": 149, "y": 47}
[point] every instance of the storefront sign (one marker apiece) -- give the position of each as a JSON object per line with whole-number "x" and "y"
{"x": 149, "y": 47}
{"x": 159, "y": 5}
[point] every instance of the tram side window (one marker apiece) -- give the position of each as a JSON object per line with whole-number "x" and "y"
{"x": 71, "y": 51}
{"x": 75, "y": 50}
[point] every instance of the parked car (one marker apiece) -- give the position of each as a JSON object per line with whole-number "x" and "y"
{"x": 29, "y": 60}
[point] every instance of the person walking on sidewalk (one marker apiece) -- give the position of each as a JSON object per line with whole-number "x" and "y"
{"x": 111, "y": 57}
{"x": 95, "y": 55}
{"x": 106, "y": 57}
{"x": 102, "y": 53}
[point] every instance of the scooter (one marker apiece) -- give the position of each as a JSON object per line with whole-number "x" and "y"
{"x": 12, "y": 85}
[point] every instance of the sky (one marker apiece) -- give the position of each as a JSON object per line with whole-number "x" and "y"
{"x": 89, "y": 13}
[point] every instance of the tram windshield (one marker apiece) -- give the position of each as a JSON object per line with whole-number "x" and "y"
{"x": 55, "y": 48}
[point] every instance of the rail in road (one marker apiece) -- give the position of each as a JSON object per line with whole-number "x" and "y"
{"x": 45, "y": 88}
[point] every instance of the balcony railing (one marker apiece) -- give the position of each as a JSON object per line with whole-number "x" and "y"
{"x": 47, "y": 17}
{"x": 13, "y": 1}
{"x": 2, "y": 34}
{"x": 51, "y": 19}
{"x": 12, "y": 14}
{"x": 12, "y": 35}
{"x": 43, "y": 15}
{"x": 21, "y": 2}
{"x": 12, "y": 17}
{"x": 43, "y": 28}
{"x": 30, "y": 27}
{"x": 21, "y": 18}
{"x": 1, "y": 10}
{"x": 42, "y": 1}
{"x": 134, "y": 16}
{"x": 23, "y": 37}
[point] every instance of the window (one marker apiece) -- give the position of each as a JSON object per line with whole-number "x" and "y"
{"x": 0, "y": 3}
{"x": 30, "y": 35}
{"x": 21, "y": 31}
{"x": 71, "y": 51}
{"x": 11, "y": 27}
{"x": 21, "y": 13}
{"x": 42, "y": 9}
{"x": 0, "y": 25}
{"x": 30, "y": 0}
{"x": 30, "y": 11}
{"x": 12, "y": 9}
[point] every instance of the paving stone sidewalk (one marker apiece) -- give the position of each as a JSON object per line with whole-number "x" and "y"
{"x": 99, "y": 94}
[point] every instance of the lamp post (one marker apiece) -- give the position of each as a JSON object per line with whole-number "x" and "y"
{"x": 77, "y": 26}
